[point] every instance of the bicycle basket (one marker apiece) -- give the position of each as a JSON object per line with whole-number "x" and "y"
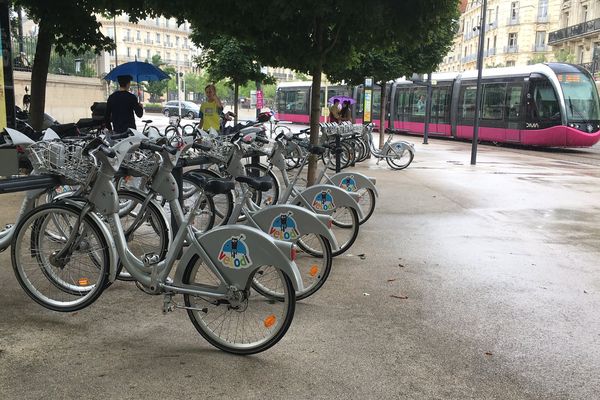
{"x": 141, "y": 163}
{"x": 64, "y": 159}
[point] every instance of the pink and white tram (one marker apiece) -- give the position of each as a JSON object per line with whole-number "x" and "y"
{"x": 550, "y": 105}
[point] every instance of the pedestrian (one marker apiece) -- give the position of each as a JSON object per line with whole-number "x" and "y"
{"x": 346, "y": 113}
{"x": 334, "y": 111}
{"x": 211, "y": 109}
{"x": 121, "y": 106}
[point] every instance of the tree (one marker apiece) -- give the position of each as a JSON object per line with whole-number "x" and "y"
{"x": 69, "y": 26}
{"x": 156, "y": 88}
{"x": 315, "y": 35}
{"x": 564, "y": 56}
{"x": 229, "y": 59}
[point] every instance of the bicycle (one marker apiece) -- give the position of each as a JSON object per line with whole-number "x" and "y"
{"x": 398, "y": 155}
{"x": 215, "y": 273}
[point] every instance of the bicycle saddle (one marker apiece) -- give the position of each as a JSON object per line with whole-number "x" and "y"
{"x": 147, "y": 121}
{"x": 261, "y": 184}
{"x": 212, "y": 186}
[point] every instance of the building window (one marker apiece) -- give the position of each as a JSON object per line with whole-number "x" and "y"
{"x": 158, "y": 38}
{"x": 177, "y": 41}
{"x": 540, "y": 39}
{"x": 129, "y": 52}
{"x": 512, "y": 40}
{"x": 138, "y": 35}
{"x": 566, "y": 19}
{"x": 139, "y": 53}
{"x": 580, "y": 57}
{"x": 543, "y": 9}
{"x": 585, "y": 13}
{"x": 148, "y": 55}
{"x": 168, "y": 57}
{"x": 157, "y": 21}
{"x": 510, "y": 63}
{"x": 128, "y": 36}
{"x": 514, "y": 10}
{"x": 185, "y": 44}
{"x": 167, "y": 22}
{"x": 110, "y": 33}
{"x": 168, "y": 40}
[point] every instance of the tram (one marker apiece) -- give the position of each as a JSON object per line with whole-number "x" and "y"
{"x": 549, "y": 105}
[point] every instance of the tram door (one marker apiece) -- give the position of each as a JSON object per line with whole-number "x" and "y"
{"x": 514, "y": 111}
{"x": 542, "y": 107}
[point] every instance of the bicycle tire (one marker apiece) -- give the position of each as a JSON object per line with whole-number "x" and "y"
{"x": 366, "y": 202}
{"x": 314, "y": 266}
{"x": 154, "y": 230}
{"x": 64, "y": 292}
{"x": 394, "y": 161}
{"x": 258, "y": 309}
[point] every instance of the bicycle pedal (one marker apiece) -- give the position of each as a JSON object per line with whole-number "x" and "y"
{"x": 151, "y": 259}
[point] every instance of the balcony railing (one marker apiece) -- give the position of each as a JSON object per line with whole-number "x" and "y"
{"x": 542, "y": 19}
{"x": 490, "y": 52}
{"x": 569, "y": 32}
{"x": 540, "y": 48}
{"x": 511, "y": 49}
{"x": 127, "y": 38}
{"x": 513, "y": 21}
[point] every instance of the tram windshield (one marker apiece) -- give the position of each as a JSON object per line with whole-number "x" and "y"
{"x": 581, "y": 97}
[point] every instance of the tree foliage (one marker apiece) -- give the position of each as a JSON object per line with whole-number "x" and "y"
{"x": 70, "y": 26}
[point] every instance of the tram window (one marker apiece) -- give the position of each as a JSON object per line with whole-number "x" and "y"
{"x": 295, "y": 101}
{"x": 418, "y": 101}
{"x": 441, "y": 104}
{"x": 544, "y": 98}
{"x": 467, "y": 105}
{"x": 493, "y": 100}
{"x": 513, "y": 101}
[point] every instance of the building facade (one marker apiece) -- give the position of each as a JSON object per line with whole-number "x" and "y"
{"x": 578, "y": 33}
{"x": 146, "y": 38}
{"x": 516, "y": 33}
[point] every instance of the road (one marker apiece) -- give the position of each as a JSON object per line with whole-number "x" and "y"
{"x": 469, "y": 282}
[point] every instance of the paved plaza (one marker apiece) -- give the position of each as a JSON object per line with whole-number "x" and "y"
{"x": 469, "y": 282}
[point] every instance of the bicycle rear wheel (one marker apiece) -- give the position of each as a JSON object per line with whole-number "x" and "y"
{"x": 249, "y": 325}
{"x": 398, "y": 156}
{"x": 314, "y": 260}
{"x": 68, "y": 284}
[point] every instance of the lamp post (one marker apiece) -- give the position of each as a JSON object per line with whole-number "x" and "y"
{"x": 478, "y": 92}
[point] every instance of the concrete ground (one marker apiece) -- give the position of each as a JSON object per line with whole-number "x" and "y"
{"x": 478, "y": 282}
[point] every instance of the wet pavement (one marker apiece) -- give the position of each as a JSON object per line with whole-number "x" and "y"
{"x": 478, "y": 282}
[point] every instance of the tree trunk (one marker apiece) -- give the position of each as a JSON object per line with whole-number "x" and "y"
{"x": 382, "y": 116}
{"x": 39, "y": 77}
{"x": 236, "y": 92}
{"x": 315, "y": 114}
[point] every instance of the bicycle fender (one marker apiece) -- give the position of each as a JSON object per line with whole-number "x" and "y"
{"x": 108, "y": 235}
{"x": 324, "y": 199}
{"x": 289, "y": 222}
{"x": 237, "y": 251}
{"x": 353, "y": 182}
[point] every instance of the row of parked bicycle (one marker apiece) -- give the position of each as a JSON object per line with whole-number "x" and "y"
{"x": 105, "y": 207}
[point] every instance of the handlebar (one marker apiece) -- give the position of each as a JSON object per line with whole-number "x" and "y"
{"x": 158, "y": 148}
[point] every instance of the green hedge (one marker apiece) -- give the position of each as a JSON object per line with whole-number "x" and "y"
{"x": 153, "y": 107}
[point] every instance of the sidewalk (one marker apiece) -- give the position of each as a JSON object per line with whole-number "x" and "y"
{"x": 469, "y": 282}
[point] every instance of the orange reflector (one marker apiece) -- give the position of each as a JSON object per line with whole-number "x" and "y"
{"x": 314, "y": 270}
{"x": 269, "y": 201}
{"x": 128, "y": 178}
{"x": 83, "y": 281}
{"x": 293, "y": 253}
{"x": 270, "y": 321}
{"x": 330, "y": 223}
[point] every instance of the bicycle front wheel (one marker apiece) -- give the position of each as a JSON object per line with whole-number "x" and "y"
{"x": 68, "y": 283}
{"x": 250, "y": 324}
{"x": 366, "y": 202}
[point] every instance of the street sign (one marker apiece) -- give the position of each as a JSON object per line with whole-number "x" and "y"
{"x": 368, "y": 101}
{"x": 259, "y": 99}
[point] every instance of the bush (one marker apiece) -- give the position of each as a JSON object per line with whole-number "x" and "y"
{"x": 153, "y": 107}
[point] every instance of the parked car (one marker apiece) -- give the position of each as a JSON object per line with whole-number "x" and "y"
{"x": 188, "y": 109}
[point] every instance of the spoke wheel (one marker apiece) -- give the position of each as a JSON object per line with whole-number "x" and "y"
{"x": 400, "y": 157}
{"x": 248, "y": 325}
{"x": 366, "y": 202}
{"x": 80, "y": 278}
{"x": 314, "y": 260}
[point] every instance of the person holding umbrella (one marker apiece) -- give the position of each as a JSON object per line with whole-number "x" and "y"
{"x": 120, "y": 107}
{"x": 346, "y": 113}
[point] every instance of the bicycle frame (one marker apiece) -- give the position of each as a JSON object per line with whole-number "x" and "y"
{"x": 232, "y": 276}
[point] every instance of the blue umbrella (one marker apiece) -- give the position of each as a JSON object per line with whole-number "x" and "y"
{"x": 139, "y": 72}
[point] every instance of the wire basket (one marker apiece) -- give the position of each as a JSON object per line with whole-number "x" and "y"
{"x": 64, "y": 159}
{"x": 141, "y": 163}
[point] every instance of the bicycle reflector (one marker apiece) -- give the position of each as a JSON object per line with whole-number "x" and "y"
{"x": 314, "y": 270}
{"x": 270, "y": 321}
{"x": 83, "y": 282}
